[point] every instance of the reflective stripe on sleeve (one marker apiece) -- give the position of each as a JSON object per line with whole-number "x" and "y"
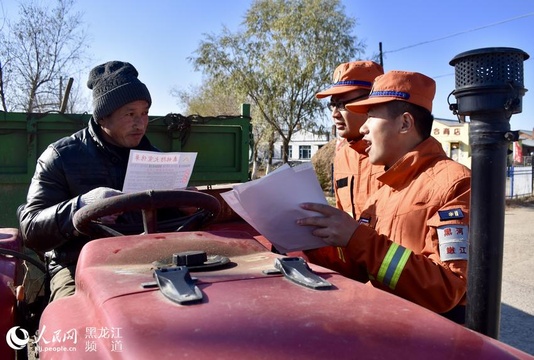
{"x": 340, "y": 254}
{"x": 392, "y": 265}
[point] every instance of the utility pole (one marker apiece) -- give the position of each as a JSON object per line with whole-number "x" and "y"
{"x": 381, "y": 54}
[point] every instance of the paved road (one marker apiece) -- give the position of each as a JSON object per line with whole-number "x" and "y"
{"x": 517, "y": 297}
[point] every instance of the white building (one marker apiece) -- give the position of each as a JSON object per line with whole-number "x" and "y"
{"x": 302, "y": 147}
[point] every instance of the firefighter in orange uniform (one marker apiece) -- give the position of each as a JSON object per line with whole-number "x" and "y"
{"x": 412, "y": 237}
{"x": 354, "y": 176}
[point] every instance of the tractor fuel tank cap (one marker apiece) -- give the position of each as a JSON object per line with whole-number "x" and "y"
{"x": 199, "y": 260}
{"x": 189, "y": 258}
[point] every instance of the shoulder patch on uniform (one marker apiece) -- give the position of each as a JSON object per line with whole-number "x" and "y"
{"x": 341, "y": 183}
{"x": 451, "y": 214}
{"x": 453, "y": 242}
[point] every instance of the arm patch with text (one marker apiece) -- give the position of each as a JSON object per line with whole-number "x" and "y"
{"x": 451, "y": 214}
{"x": 453, "y": 241}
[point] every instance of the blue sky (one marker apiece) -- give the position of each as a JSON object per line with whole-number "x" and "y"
{"x": 417, "y": 35}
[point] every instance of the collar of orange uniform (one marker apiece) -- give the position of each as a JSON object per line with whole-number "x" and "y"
{"x": 359, "y": 146}
{"x": 410, "y": 165}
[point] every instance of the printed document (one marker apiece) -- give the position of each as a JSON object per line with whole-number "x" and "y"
{"x": 152, "y": 170}
{"x": 271, "y": 206}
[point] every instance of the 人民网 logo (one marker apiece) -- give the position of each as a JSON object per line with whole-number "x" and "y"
{"x": 13, "y": 339}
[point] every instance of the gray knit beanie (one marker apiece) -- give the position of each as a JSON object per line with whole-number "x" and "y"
{"x": 115, "y": 84}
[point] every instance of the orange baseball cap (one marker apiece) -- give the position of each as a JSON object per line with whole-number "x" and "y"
{"x": 352, "y": 76}
{"x": 406, "y": 86}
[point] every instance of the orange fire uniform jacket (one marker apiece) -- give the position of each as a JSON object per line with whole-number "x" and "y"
{"x": 412, "y": 237}
{"x": 354, "y": 177}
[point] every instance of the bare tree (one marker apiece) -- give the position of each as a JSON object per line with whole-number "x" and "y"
{"x": 43, "y": 48}
{"x": 2, "y": 92}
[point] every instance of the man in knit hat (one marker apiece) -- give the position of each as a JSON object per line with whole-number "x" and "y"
{"x": 87, "y": 166}
{"x": 411, "y": 238}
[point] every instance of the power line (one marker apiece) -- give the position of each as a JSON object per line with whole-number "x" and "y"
{"x": 461, "y": 32}
{"x": 442, "y": 75}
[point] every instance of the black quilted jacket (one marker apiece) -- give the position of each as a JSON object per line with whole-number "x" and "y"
{"x": 67, "y": 169}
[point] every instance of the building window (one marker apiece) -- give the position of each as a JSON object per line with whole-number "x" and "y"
{"x": 289, "y": 152}
{"x": 455, "y": 151}
{"x": 304, "y": 152}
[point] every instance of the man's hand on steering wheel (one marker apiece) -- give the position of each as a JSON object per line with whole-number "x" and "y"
{"x": 97, "y": 194}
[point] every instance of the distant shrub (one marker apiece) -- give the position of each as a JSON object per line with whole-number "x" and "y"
{"x": 322, "y": 163}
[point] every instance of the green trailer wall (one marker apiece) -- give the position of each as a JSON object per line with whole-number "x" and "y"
{"x": 222, "y": 144}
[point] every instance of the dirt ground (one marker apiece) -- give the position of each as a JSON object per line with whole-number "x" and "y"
{"x": 517, "y": 290}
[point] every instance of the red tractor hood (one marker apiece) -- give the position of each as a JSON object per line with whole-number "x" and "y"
{"x": 244, "y": 313}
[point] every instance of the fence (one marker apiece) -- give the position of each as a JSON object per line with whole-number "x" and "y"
{"x": 519, "y": 182}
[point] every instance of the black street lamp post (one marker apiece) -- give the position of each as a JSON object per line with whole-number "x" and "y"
{"x": 489, "y": 89}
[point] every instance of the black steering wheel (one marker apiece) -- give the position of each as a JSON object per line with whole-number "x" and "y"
{"x": 85, "y": 219}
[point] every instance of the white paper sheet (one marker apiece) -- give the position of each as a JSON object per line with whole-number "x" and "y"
{"x": 271, "y": 206}
{"x": 150, "y": 170}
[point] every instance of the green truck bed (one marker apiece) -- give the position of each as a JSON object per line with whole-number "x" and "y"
{"x": 222, "y": 144}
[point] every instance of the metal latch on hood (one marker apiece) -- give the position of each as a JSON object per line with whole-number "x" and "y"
{"x": 298, "y": 271}
{"x": 175, "y": 281}
{"x": 177, "y": 285}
